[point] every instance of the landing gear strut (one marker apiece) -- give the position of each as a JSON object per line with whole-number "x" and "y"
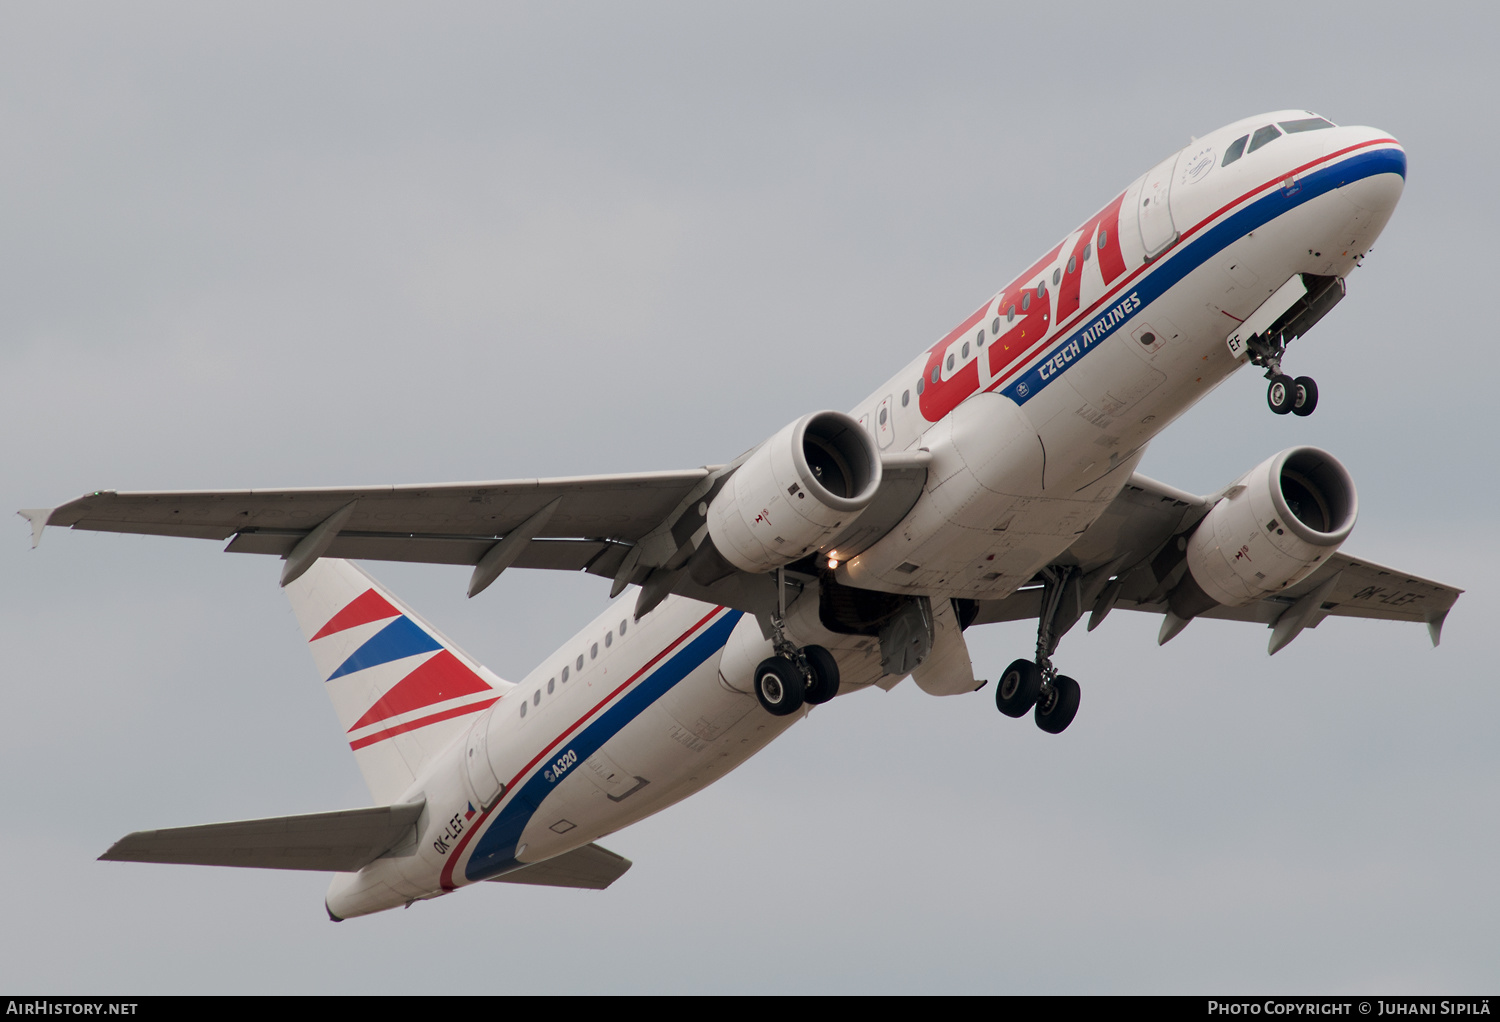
{"x": 1036, "y": 686}
{"x": 1284, "y": 394}
{"x": 793, "y": 676}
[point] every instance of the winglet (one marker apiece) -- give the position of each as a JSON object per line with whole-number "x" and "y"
{"x": 37, "y": 516}
{"x": 1435, "y": 626}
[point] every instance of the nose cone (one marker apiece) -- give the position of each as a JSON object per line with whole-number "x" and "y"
{"x": 1374, "y": 166}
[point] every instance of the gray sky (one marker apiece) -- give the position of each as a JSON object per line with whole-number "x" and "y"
{"x": 292, "y": 244}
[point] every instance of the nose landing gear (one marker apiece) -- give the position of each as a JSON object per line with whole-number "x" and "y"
{"x": 1315, "y": 296}
{"x": 1298, "y": 396}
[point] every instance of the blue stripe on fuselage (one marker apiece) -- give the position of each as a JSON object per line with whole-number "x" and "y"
{"x": 495, "y": 850}
{"x": 1185, "y": 260}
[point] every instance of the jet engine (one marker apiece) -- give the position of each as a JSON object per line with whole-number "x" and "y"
{"x": 1278, "y": 523}
{"x": 795, "y": 493}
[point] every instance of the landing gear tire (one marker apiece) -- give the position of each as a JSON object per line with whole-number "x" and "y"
{"x": 1018, "y": 688}
{"x": 1306, "y": 395}
{"x": 779, "y": 686}
{"x": 1056, "y": 710}
{"x": 825, "y": 675}
{"x": 1281, "y": 395}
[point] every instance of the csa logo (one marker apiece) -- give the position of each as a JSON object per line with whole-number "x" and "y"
{"x": 1196, "y": 167}
{"x": 1022, "y": 389}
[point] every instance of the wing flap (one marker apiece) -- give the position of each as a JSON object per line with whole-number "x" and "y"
{"x": 556, "y": 554}
{"x": 590, "y": 867}
{"x": 340, "y": 842}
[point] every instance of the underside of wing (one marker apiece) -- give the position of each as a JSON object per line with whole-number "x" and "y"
{"x": 1132, "y": 558}
{"x": 339, "y": 842}
{"x": 452, "y": 523}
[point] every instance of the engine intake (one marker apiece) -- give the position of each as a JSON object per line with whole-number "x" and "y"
{"x": 1284, "y": 518}
{"x": 795, "y": 492}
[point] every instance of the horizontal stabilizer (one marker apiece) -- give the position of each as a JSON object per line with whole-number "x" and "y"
{"x": 589, "y": 867}
{"x": 339, "y": 842}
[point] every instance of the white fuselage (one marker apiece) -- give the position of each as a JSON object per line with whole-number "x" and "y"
{"x": 1035, "y": 419}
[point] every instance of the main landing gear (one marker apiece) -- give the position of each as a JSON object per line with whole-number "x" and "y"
{"x": 787, "y": 680}
{"x": 793, "y": 676}
{"x": 1035, "y": 686}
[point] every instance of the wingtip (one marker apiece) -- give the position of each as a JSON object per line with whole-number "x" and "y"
{"x": 38, "y": 517}
{"x": 1435, "y": 627}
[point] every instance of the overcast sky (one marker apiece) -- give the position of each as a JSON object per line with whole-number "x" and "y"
{"x": 283, "y": 244}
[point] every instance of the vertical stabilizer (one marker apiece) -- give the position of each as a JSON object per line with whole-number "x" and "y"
{"x": 401, "y": 690}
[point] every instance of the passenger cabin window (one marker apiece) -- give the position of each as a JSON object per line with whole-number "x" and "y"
{"x": 1235, "y": 151}
{"x": 565, "y": 675}
{"x": 1263, "y": 135}
{"x": 1305, "y": 124}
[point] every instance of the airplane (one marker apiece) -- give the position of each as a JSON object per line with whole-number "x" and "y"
{"x": 992, "y": 478}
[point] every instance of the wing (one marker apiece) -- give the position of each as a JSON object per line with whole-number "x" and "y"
{"x": 641, "y": 528}
{"x": 1119, "y": 562}
{"x": 452, "y": 523}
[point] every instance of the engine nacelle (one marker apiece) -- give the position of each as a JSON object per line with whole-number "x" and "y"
{"x": 1285, "y": 517}
{"x": 795, "y": 493}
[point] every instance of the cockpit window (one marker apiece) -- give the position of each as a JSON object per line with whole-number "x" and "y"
{"x": 1306, "y": 124}
{"x": 1235, "y": 151}
{"x": 1262, "y": 136}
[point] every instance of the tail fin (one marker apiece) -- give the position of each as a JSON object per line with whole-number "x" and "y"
{"x": 402, "y": 691}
